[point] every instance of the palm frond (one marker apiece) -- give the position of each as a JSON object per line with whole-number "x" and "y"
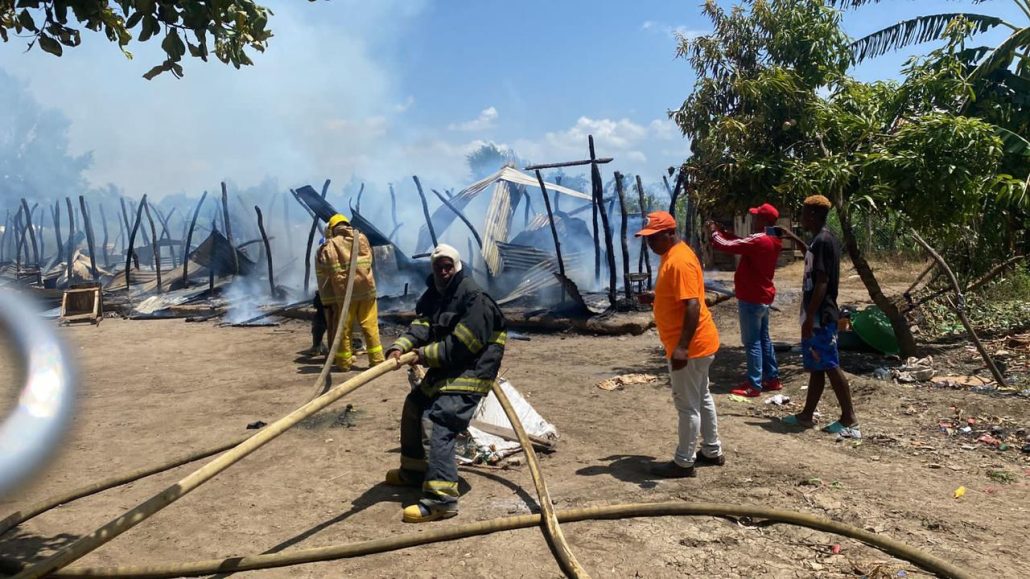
{"x": 1014, "y": 144}
{"x": 915, "y": 31}
{"x": 1003, "y": 54}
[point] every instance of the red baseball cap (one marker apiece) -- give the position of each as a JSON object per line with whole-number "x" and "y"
{"x": 765, "y": 210}
{"x": 657, "y": 221}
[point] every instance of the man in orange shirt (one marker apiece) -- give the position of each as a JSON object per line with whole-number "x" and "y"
{"x": 688, "y": 333}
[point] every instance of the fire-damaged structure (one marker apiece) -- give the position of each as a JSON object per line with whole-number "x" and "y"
{"x": 526, "y": 240}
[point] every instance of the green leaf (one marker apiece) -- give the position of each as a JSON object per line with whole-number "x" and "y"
{"x": 50, "y": 45}
{"x": 916, "y": 31}
{"x": 173, "y": 46}
{"x": 134, "y": 19}
{"x": 150, "y": 74}
{"x": 25, "y": 21}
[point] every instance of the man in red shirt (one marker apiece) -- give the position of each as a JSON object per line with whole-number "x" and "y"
{"x": 753, "y": 285}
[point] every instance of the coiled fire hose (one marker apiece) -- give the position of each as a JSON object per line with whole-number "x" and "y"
{"x": 321, "y": 384}
{"x": 552, "y": 531}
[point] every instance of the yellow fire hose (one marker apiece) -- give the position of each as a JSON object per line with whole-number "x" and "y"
{"x": 36, "y": 509}
{"x": 552, "y": 531}
{"x": 301, "y": 556}
{"x": 176, "y": 491}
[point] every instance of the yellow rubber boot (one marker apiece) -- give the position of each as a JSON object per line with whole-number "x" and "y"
{"x": 395, "y": 477}
{"x": 419, "y": 513}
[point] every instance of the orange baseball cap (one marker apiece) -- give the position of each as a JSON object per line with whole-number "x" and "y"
{"x": 657, "y": 221}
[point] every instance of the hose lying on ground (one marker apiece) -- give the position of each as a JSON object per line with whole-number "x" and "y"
{"x": 176, "y": 491}
{"x": 34, "y": 510}
{"x": 296, "y": 557}
{"x": 552, "y": 531}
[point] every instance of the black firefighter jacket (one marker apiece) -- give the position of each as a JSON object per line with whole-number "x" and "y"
{"x": 460, "y": 337}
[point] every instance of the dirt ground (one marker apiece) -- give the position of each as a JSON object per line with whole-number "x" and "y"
{"x": 155, "y": 389}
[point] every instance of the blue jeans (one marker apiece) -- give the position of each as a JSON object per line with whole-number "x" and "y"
{"x": 754, "y": 334}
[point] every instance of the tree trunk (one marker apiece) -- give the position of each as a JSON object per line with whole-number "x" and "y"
{"x": 155, "y": 248}
{"x": 902, "y": 331}
{"x": 132, "y": 240}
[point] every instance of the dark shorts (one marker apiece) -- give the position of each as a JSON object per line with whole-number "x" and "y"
{"x": 820, "y": 351}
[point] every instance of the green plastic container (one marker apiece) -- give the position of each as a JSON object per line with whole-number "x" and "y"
{"x": 872, "y": 325}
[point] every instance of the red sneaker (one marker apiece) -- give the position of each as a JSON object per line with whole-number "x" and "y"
{"x": 772, "y": 385}
{"x": 746, "y": 390}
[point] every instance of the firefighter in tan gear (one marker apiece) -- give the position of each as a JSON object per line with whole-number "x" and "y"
{"x": 333, "y": 273}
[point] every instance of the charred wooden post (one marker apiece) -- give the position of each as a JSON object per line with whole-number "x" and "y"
{"x": 268, "y": 250}
{"x": 155, "y": 247}
{"x": 165, "y": 233}
{"x": 69, "y": 247}
{"x": 228, "y": 229}
{"x": 107, "y": 254}
{"x": 645, "y": 256}
{"x": 425, "y": 210}
{"x": 308, "y": 257}
{"x": 286, "y": 222}
{"x": 596, "y": 233}
{"x": 125, "y": 222}
{"x": 554, "y": 228}
{"x": 3, "y": 236}
{"x": 32, "y": 230}
{"x": 87, "y": 224}
{"x": 41, "y": 238}
{"x": 393, "y": 212}
{"x": 526, "y": 211}
{"x": 592, "y": 160}
{"x": 628, "y": 287}
{"x": 211, "y": 261}
{"x": 674, "y": 197}
{"x": 465, "y": 220}
{"x": 595, "y": 177}
{"x": 132, "y": 241}
{"x": 18, "y": 238}
{"x": 361, "y": 191}
{"x": 189, "y": 240}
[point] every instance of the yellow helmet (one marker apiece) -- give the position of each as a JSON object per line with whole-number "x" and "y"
{"x": 336, "y": 220}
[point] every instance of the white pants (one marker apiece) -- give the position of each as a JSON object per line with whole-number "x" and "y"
{"x": 696, "y": 409}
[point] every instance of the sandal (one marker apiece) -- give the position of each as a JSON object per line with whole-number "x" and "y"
{"x": 838, "y": 428}
{"x": 793, "y": 420}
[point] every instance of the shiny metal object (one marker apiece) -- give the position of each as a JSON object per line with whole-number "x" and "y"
{"x": 32, "y": 431}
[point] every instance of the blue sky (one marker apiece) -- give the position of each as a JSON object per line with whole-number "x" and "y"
{"x": 391, "y": 88}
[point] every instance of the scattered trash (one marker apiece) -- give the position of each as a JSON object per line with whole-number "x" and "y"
{"x": 882, "y": 373}
{"x": 1026, "y": 449}
{"x": 618, "y": 382}
{"x": 256, "y": 425}
{"x": 989, "y": 440}
{"x": 835, "y": 549}
{"x": 778, "y": 400}
{"x": 960, "y": 381}
{"x": 960, "y": 492}
{"x": 736, "y": 398}
{"x": 965, "y": 430}
{"x": 915, "y": 370}
{"x": 811, "y": 482}
{"x": 902, "y": 573}
{"x": 849, "y": 432}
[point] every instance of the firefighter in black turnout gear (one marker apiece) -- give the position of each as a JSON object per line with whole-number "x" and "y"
{"x": 459, "y": 334}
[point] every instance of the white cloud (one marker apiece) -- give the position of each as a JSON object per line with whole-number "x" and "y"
{"x": 404, "y": 106}
{"x": 674, "y": 32}
{"x": 485, "y": 120}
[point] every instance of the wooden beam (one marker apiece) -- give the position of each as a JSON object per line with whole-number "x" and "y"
{"x": 227, "y": 223}
{"x": 590, "y": 161}
{"x": 645, "y": 255}
{"x": 554, "y": 229}
{"x": 465, "y": 220}
{"x": 87, "y": 223}
{"x": 268, "y": 250}
{"x": 425, "y": 211}
{"x": 103, "y": 221}
{"x": 627, "y": 285}
{"x": 308, "y": 258}
{"x": 156, "y": 249}
{"x": 32, "y": 230}
{"x": 132, "y": 240}
{"x": 189, "y": 240}
{"x": 595, "y": 177}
